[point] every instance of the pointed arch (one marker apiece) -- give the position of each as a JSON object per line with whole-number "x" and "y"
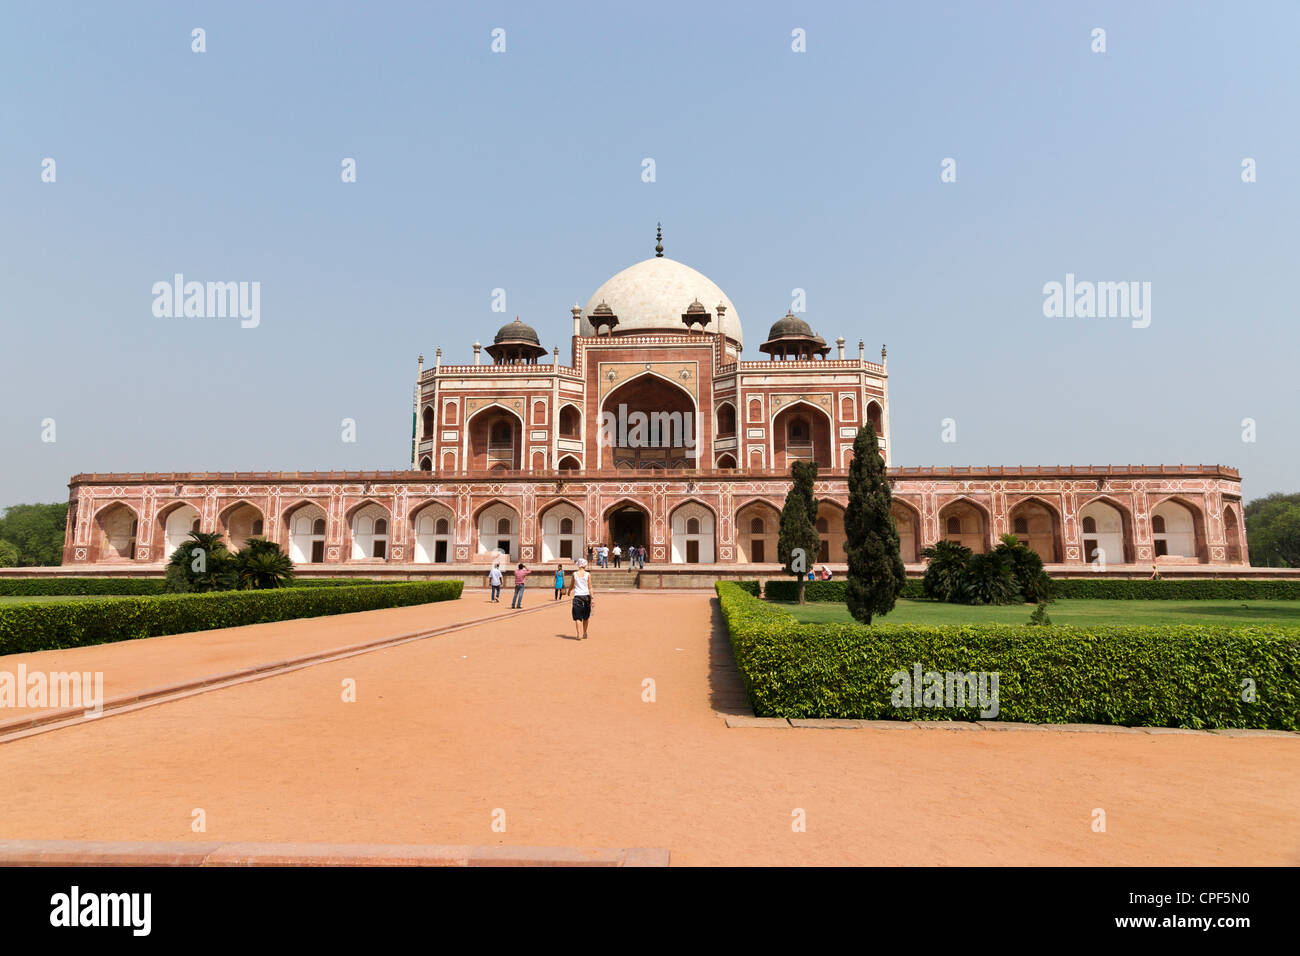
{"x": 788, "y": 446}
{"x": 693, "y": 526}
{"x": 116, "y": 527}
{"x": 1035, "y": 521}
{"x": 433, "y": 529}
{"x": 907, "y": 521}
{"x": 1105, "y": 542}
{"x": 483, "y": 448}
{"x": 757, "y": 529}
{"x": 668, "y": 407}
{"x": 966, "y": 521}
{"x": 1186, "y": 536}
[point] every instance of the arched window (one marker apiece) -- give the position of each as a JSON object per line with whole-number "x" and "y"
{"x": 726, "y": 420}
{"x": 846, "y": 409}
{"x": 876, "y": 419}
{"x": 692, "y": 525}
{"x": 318, "y": 526}
{"x": 755, "y": 410}
{"x": 194, "y": 525}
{"x": 501, "y": 433}
{"x": 823, "y": 525}
{"x": 428, "y": 422}
{"x": 503, "y": 526}
{"x": 569, "y": 421}
{"x": 954, "y": 525}
{"x": 257, "y": 527}
{"x": 426, "y": 463}
{"x": 1158, "y": 524}
{"x": 756, "y": 526}
{"x": 798, "y": 431}
{"x": 1089, "y": 525}
{"x": 381, "y": 526}
{"x": 1022, "y": 526}
{"x": 442, "y": 527}
{"x": 566, "y": 526}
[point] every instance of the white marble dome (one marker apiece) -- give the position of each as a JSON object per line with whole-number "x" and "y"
{"x": 652, "y": 295}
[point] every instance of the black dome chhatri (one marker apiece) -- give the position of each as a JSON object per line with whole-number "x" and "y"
{"x": 517, "y": 331}
{"x": 790, "y": 324}
{"x": 516, "y": 343}
{"x": 792, "y": 338}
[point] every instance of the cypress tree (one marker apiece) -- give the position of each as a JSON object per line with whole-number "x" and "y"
{"x": 876, "y": 575}
{"x": 799, "y": 524}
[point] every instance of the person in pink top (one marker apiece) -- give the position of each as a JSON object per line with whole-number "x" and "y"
{"x": 521, "y": 573}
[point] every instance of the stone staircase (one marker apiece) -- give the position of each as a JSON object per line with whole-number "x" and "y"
{"x": 614, "y": 579}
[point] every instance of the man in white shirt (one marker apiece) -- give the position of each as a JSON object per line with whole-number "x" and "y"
{"x": 618, "y": 556}
{"x": 494, "y": 579}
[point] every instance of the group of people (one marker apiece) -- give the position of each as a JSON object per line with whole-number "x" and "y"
{"x": 602, "y": 554}
{"x": 580, "y": 590}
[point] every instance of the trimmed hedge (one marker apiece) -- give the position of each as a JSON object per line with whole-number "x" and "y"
{"x": 1179, "y": 676}
{"x": 1232, "y": 589}
{"x": 104, "y": 587}
{"x": 48, "y": 626}
{"x": 749, "y": 587}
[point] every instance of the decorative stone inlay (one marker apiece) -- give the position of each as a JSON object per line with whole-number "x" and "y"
{"x": 472, "y": 405}
{"x": 820, "y": 399}
{"x": 613, "y": 374}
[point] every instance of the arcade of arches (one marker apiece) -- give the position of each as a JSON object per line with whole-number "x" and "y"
{"x": 1102, "y": 529}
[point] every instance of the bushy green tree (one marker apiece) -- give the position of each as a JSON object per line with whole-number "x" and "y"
{"x": 876, "y": 574}
{"x": 261, "y": 564}
{"x": 201, "y": 564}
{"x": 36, "y": 531}
{"x": 799, "y": 542}
{"x": 8, "y": 554}
{"x": 1032, "y": 581}
{"x": 990, "y": 579}
{"x": 1273, "y": 531}
{"x": 945, "y": 572}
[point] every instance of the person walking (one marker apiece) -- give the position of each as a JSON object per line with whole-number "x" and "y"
{"x": 589, "y": 554}
{"x": 559, "y": 581}
{"x": 581, "y": 600}
{"x": 521, "y": 574}
{"x": 618, "y": 556}
{"x": 494, "y": 579}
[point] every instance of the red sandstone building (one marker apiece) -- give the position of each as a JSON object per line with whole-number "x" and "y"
{"x": 656, "y": 433}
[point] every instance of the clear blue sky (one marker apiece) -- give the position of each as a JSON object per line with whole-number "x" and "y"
{"x": 522, "y": 170}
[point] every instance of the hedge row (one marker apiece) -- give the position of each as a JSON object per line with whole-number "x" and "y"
{"x": 1177, "y": 676}
{"x": 42, "y": 627}
{"x": 40, "y": 587}
{"x": 1234, "y": 589}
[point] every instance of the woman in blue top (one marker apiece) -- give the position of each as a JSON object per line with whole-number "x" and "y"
{"x": 559, "y": 581}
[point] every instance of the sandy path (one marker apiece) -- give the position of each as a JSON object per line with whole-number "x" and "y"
{"x": 519, "y": 716}
{"x": 133, "y": 666}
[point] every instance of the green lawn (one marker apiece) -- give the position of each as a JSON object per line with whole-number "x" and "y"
{"x": 1079, "y": 611}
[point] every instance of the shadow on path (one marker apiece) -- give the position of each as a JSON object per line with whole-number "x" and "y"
{"x": 726, "y": 688}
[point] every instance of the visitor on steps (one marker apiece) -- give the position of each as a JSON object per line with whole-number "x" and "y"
{"x": 494, "y": 579}
{"x": 521, "y": 573}
{"x": 581, "y": 600}
{"x": 559, "y": 581}
{"x": 618, "y": 555}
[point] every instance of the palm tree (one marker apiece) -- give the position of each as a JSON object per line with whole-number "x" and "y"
{"x": 201, "y": 564}
{"x": 261, "y": 564}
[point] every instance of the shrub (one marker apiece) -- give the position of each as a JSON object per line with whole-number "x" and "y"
{"x": 260, "y": 564}
{"x": 201, "y": 564}
{"x": 749, "y": 587}
{"x": 41, "y": 627}
{"x": 1230, "y": 589}
{"x": 945, "y": 575}
{"x": 989, "y": 579}
{"x": 1174, "y": 676}
{"x": 1032, "y": 582}
{"x": 40, "y": 587}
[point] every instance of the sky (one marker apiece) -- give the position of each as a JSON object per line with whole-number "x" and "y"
{"x": 523, "y": 169}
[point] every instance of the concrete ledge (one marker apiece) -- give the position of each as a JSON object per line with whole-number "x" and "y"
{"x": 1093, "y": 728}
{"x": 737, "y": 720}
{"x": 825, "y": 723}
{"x": 946, "y": 725}
{"x": 1235, "y": 732}
{"x": 104, "y": 853}
{"x": 1171, "y": 730}
{"x": 1008, "y": 725}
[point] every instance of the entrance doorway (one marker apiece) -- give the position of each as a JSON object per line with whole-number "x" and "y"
{"x": 627, "y": 526}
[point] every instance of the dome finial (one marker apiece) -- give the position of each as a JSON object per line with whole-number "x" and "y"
{"x": 659, "y": 240}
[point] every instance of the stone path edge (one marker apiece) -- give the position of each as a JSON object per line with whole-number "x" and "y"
{"x": 838, "y": 723}
{"x": 71, "y": 716}
{"x": 198, "y": 853}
